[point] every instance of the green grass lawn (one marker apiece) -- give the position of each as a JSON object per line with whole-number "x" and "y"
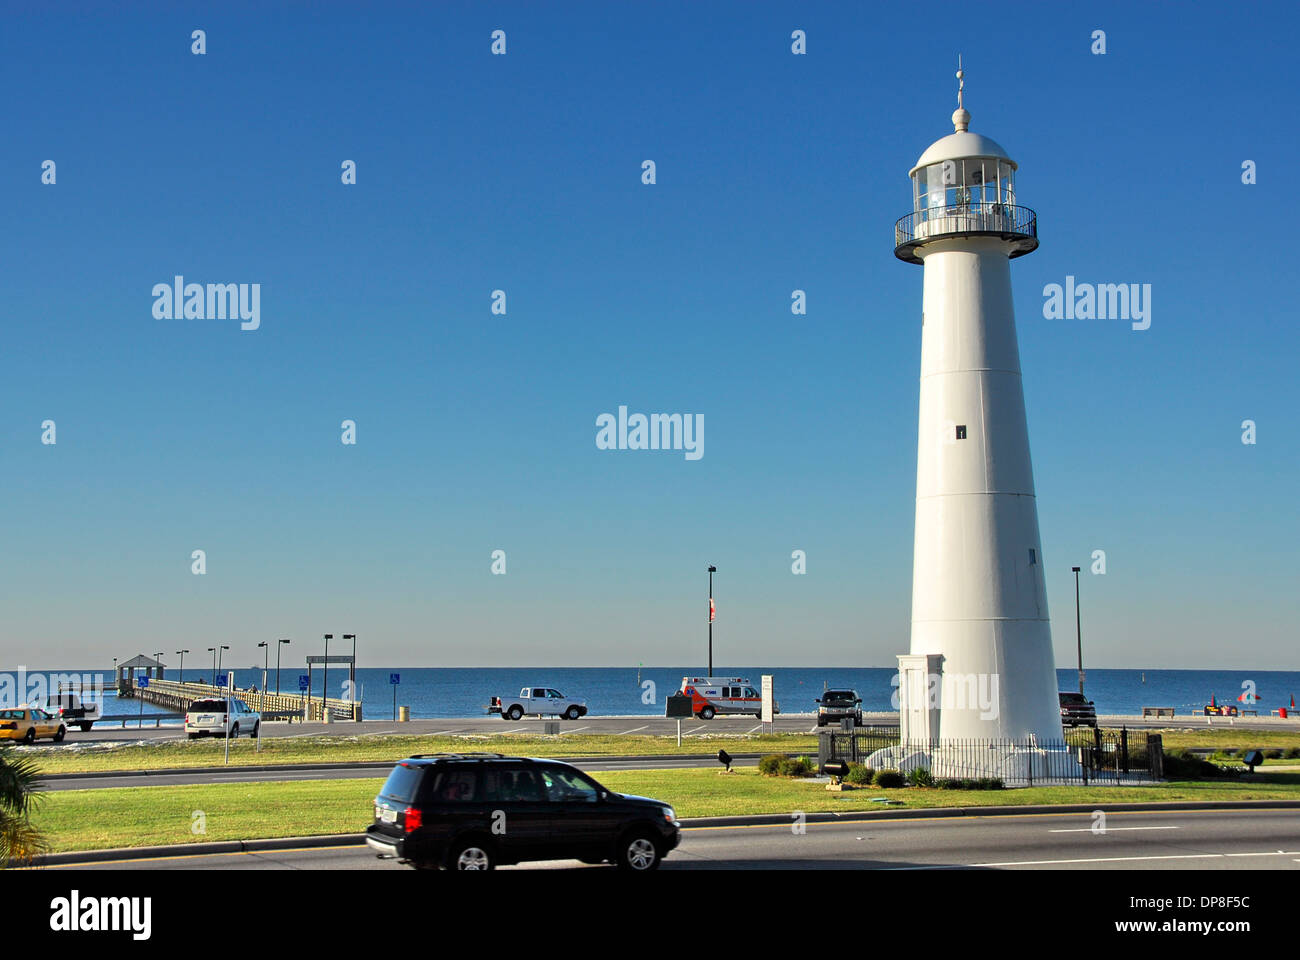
{"x": 176, "y": 754}
{"x": 93, "y": 819}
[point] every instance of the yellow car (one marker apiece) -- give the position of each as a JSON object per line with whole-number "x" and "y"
{"x": 28, "y": 723}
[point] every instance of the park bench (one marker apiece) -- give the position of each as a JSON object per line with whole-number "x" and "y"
{"x": 1157, "y": 711}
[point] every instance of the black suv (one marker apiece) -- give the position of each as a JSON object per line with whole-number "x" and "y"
{"x": 466, "y": 811}
{"x": 839, "y": 705}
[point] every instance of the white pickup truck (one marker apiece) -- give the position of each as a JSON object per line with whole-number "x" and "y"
{"x": 538, "y": 702}
{"x": 72, "y": 710}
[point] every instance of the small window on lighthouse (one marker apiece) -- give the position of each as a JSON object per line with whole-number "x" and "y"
{"x": 961, "y": 431}
{"x": 1033, "y": 556}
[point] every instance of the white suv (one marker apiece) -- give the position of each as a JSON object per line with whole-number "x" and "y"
{"x": 219, "y": 718}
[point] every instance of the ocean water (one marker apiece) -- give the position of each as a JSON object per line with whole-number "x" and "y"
{"x": 433, "y": 692}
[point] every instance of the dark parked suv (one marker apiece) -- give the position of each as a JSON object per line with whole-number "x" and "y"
{"x": 835, "y": 705}
{"x": 466, "y": 811}
{"x": 1077, "y": 711}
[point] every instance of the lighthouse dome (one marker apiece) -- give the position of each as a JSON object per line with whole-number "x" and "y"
{"x": 960, "y": 145}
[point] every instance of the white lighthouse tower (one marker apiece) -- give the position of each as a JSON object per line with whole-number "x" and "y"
{"x": 981, "y": 665}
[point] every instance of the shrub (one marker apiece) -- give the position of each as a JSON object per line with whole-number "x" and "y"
{"x": 1184, "y": 765}
{"x": 796, "y": 767}
{"x": 990, "y": 783}
{"x": 948, "y": 783}
{"x": 859, "y": 773}
{"x": 920, "y": 777}
{"x": 888, "y": 778}
{"x": 1273, "y": 754}
{"x": 770, "y": 766}
{"x": 968, "y": 783}
{"x": 1293, "y": 753}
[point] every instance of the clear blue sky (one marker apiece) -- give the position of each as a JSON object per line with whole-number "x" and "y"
{"x": 477, "y": 432}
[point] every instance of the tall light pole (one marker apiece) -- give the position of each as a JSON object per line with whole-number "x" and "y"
{"x": 266, "y": 663}
{"x": 325, "y": 678}
{"x": 158, "y": 656}
{"x": 712, "y": 571}
{"x": 224, "y": 646}
{"x": 213, "y": 651}
{"x": 1078, "y": 629}
{"x": 181, "y": 654}
{"x": 352, "y": 671}
{"x": 277, "y": 665}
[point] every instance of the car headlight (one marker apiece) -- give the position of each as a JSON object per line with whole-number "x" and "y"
{"x": 669, "y": 814}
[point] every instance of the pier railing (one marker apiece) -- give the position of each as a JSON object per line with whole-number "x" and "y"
{"x": 178, "y": 696}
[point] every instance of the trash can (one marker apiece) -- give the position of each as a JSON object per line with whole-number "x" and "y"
{"x": 1282, "y": 713}
{"x": 403, "y": 714}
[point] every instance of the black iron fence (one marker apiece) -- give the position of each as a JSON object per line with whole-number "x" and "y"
{"x": 1082, "y": 756}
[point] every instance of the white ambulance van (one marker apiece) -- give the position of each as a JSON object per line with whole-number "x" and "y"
{"x": 722, "y": 696}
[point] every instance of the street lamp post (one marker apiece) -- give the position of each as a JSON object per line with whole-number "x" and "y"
{"x": 224, "y": 646}
{"x": 266, "y": 663}
{"x": 1078, "y": 629}
{"x": 277, "y": 665}
{"x": 352, "y": 672}
{"x": 181, "y": 654}
{"x": 213, "y": 651}
{"x": 325, "y": 679}
{"x": 712, "y": 571}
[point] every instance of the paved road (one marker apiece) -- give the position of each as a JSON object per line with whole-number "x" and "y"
{"x": 349, "y": 772}
{"x": 1215, "y": 840}
{"x": 659, "y": 726}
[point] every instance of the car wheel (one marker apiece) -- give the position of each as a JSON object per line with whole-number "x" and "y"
{"x": 234, "y": 731}
{"x": 60, "y": 734}
{"x": 256, "y": 727}
{"x": 573, "y": 713}
{"x": 470, "y": 855}
{"x": 85, "y": 727}
{"x": 30, "y": 736}
{"x": 516, "y": 712}
{"x": 192, "y": 736}
{"x": 821, "y": 722}
{"x": 638, "y": 853}
{"x": 706, "y": 713}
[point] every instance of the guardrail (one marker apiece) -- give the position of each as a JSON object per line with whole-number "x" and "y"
{"x": 1004, "y": 220}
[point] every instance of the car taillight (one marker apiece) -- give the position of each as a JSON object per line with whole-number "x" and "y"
{"x": 411, "y": 819}
{"x": 225, "y": 718}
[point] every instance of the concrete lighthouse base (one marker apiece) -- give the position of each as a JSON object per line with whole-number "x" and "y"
{"x": 980, "y": 759}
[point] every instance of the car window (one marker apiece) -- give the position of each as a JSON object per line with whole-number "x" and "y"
{"x": 456, "y": 786}
{"x": 555, "y": 693}
{"x": 401, "y": 783}
{"x": 208, "y": 706}
{"x": 539, "y": 692}
{"x": 567, "y": 785}
{"x": 11, "y": 714}
{"x": 510, "y": 785}
{"x": 749, "y": 692}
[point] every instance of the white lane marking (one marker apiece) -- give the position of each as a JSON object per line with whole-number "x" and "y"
{"x": 439, "y": 733}
{"x": 575, "y": 729}
{"x": 1176, "y": 856}
{"x": 1109, "y": 829}
{"x": 634, "y": 729}
{"x": 696, "y": 730}
{"x": 514, "y": 730}
{"x": 812, "y": 729}
{"x": 753, "y": 728}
